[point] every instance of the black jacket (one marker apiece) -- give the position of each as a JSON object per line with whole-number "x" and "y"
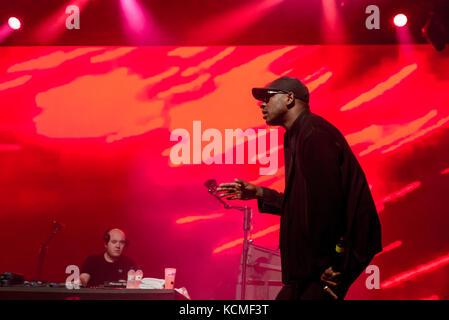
{"x": 326, "y": 196}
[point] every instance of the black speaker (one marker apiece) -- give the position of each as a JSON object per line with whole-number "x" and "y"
{"x": 11, "y": 278}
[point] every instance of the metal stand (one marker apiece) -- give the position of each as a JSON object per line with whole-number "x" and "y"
{"x": 263, "y": 274}
{"x": 212, "y": 186}
{"x": 43, "y": 250}
{"x": 246, "y": 228}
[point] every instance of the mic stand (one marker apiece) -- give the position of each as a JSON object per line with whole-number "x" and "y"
{"x": 43, "y": 249}
{"x": 246, "y": 227}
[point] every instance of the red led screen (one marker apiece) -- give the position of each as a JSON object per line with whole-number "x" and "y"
{"x": 85, "y": 139}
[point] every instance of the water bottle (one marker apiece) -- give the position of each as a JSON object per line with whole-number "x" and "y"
{"x": 139, "y": 276}
{"x": 339, "y": 255}
{"x": 131, "y": 278}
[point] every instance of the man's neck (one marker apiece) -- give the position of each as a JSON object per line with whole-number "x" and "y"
{"x": 108, "y": 258}
{"x": 292, "y": 115}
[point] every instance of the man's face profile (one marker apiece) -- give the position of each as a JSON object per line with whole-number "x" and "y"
{"x": 116, "y": 243}
{"x": 274, "y": 109}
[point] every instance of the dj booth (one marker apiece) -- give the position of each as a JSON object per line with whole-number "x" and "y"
{"x": 62, "y": 293}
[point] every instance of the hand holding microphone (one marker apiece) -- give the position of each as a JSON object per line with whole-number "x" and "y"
{"x": 240, "y": 190}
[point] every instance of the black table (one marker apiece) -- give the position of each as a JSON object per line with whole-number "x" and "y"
{"x": 49, "y": 293}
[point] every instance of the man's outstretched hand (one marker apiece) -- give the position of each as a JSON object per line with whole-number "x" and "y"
{"x": 240, "y": 190}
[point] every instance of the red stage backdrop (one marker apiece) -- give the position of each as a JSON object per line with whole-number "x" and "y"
{"x": 85, "y": 140}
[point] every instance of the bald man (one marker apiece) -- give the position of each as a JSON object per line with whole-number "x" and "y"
{"x": 110, "y": 265}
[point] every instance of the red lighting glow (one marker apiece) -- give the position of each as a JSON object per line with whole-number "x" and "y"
{"x": 197, "y": 218}
{"x": 14, "y": 83}
{"x": 54, "y": 25}
{"x": 381, "y": 88}
{"x": 91, "y": 126}
{"x": 331, "y": 21}
{"x": 10, "y": 147}
{"x": 139, "y": 22}
{"x": 408, "y": 275}
{"x": 432, "y": 297}
{"x": 230, "y": 23}
{"x": 397, "y": 194}
{"x": 390, "y": 247}
{"x": 239, "y": 241}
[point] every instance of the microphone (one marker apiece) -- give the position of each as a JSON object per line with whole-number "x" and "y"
{"x": 211, "y": 184}
{"x": 58, "y": 226}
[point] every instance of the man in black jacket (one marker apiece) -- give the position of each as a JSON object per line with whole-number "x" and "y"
{"x": 326, "y": 199}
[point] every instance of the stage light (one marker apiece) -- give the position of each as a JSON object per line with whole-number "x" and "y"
{"x": 63, "y": 17}
{"x": 400, "y": 20}
{"x": 231, "y": 23}
{"x": 140, "y": 24}
{"x": 14, "y": 23}
{"x": 134, "y": 15}
{"x": 332, "y": 24}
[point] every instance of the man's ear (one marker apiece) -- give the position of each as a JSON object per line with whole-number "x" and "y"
{"x": 291, "y": 98}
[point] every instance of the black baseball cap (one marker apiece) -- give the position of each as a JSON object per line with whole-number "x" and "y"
{"x": 283, "y": 84}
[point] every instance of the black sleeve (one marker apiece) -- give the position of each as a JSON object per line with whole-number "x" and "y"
{"x": 88, "y": 266}
{"x": 271, "y": 202}
{"x": 321, "y": 168}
